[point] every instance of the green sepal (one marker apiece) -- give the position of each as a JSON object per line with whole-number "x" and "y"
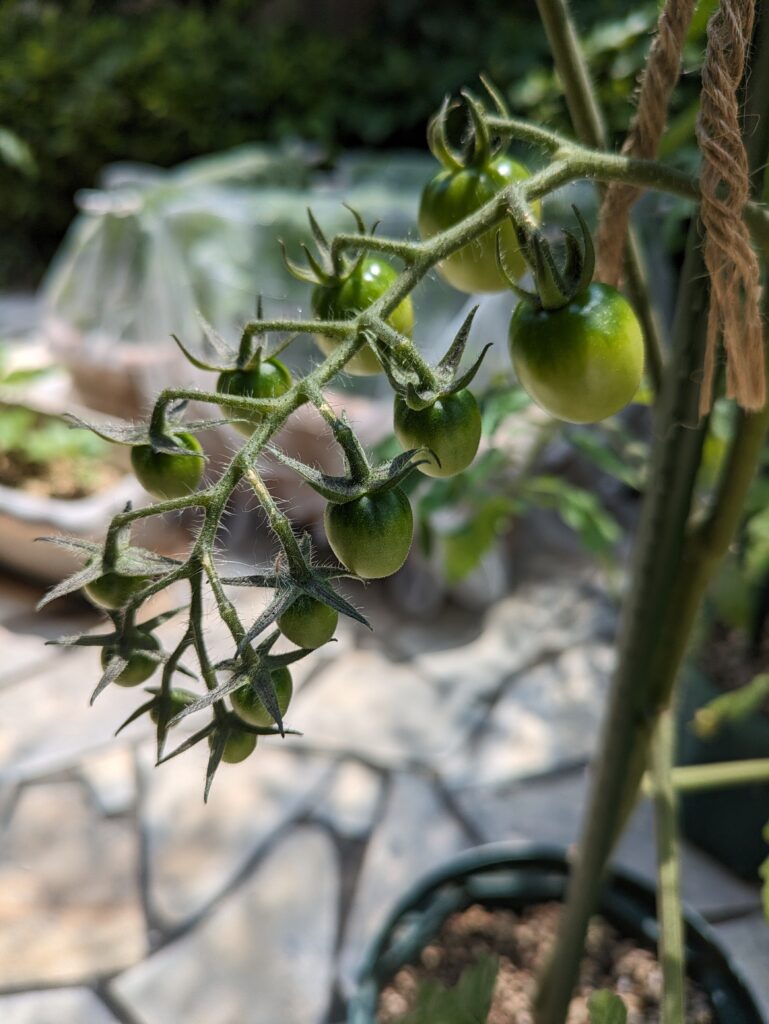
{"x": 142, "y": 433}
{"x": 421, "y": 394}
{"x": 555, "y": 286}
{"x": 323, "y": 269}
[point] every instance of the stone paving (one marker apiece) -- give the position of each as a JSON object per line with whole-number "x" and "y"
{"x": 124, "y": 899}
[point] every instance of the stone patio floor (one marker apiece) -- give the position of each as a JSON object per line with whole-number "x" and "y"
{"x": 123, "y": 898}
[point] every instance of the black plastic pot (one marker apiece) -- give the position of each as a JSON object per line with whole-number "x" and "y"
{"x": 729, "y": 822}
{"x": 515, "y": 876}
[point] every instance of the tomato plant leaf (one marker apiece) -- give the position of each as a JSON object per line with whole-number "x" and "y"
{"x": 468, "y": 1002}
{"x": 606, "y": 1008}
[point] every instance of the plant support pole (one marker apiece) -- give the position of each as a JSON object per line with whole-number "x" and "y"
{"x": 672, "y": 951}
{"x": 670, "y": 574}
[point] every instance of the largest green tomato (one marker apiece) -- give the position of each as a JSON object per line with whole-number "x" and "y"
{"x": 582, "y": 362}
{"x": 371, "y": 535}
{"x": 451, "y": 196}
{"x": 342, "y": 301}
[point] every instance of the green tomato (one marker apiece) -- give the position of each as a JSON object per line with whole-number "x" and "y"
{"x": 169, "y": 476}
{"x": 345, "y": 300}
{"x": 139, "y": 667}
{"x": 270, "y": 379}
{"x": 237, "y": 747}
{"x": 178, "y": 700}
{"x": 451, "y": 427}
{"x": 451, "y": 196}
{"x": 583, "y": 362}
{"x": 114, "y": 591}
{"x": 247, "y": 705}
{"x": 371, "y": 535}
{"x": 308, "y": 623}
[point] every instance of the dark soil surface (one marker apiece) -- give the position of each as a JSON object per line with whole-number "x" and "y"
{"x": 62, "y": 477}
{"x": 521, "y": 941}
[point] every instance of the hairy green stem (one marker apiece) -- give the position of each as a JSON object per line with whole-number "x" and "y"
{"x": 672, "y": 950}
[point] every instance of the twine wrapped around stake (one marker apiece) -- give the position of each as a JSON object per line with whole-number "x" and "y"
{"x": 646, "y": 129}
{"x": 735, "y": 287}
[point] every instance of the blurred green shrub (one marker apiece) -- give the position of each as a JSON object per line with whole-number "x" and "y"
{"x": 87, "y": 82}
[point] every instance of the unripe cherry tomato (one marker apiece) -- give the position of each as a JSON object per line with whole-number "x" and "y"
{"x": 237, "y": 747}
{"x": 269, "y": 379}
{"x": 113, "y": 590}
{"x": 367, "y": 283}
{"x": 371, "y": 535}
{"x": 139, "y": 667}
{"x": 450, "y": 427}
{"x": 249, "y": 707}
{"x": 582, "y": 362}
{"x": 169, "y": 476}
{"x": 178, "y": 700}
{"x": 451, "y": 196}
{"x": 308, "y": 622}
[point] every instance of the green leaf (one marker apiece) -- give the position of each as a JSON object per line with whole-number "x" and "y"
{"x": 498, "y": 405}
{"x": 580, "y": 510}
{"x": 469, "y": 1002}
{"x": 606, "y": 1008}
{"x": 465, "y": 547}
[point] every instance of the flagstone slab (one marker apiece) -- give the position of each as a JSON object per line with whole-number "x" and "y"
{"x": 263, "y": 956}
{"x": 417, "y": 832}
{"x": 57, "y": 1006}
{"x": 70, "y": 907}
{"x": 196, "y": 850}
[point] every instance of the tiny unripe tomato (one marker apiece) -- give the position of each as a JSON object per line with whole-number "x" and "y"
{"x": 139, "y": 667}
{"x": 450, "y": 427}
{"x": 237, "y": 747}
{"x": 367, "y": 283}
{"x": 113, "y": 590}
{"x": 451, "y": 196}
{"x": 308, "y": 622}
{"x": 371, "y": 535}
{"x": 270, "y": 379}
{"x": 178, "y": 700}
{"x": 169, "y": 476}
{"x": 249, "y": 707}
{"x": 582, "y": 362}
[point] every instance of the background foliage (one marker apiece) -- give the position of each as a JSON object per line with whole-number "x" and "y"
{"x": 87, "y": 82}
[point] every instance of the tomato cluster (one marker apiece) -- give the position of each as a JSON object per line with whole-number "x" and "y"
{"x": 576, "y": 347}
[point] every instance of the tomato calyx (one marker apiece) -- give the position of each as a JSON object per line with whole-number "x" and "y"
{"x": 253, "y": 667}
{"x": 361, "y": 478}
{"x": 329, "y": 268}
{"x": 117, "y": 556}
{"x": 289, "y": 586}
{"x": 555, "y": 286}
{"x": 161, "y": 433}
{"x": 481, "y": 146}
{"x": 420, "y": 390}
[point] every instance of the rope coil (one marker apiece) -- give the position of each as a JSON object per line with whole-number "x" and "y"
{"x": 735, "y": 279}
{"x": 646, "y": 129}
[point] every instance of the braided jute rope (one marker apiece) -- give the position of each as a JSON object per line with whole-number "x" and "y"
{"x": 657, "y": 83}
{"x": 735, "y": 289}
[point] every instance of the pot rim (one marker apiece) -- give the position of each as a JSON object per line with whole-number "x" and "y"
{"x": 554, "y": 859}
